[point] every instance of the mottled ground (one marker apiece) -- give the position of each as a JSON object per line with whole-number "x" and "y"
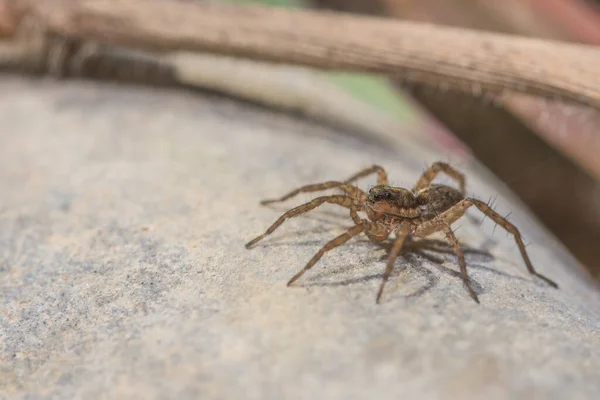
{"x": 123, "y": 272}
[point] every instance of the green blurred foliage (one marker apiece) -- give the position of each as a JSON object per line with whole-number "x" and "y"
{"x": 375, "y": 90}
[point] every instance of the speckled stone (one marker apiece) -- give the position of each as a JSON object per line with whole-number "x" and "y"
{"x": 123, "y": 273}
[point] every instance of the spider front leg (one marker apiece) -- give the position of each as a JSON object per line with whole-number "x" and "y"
{"x": 403, "y": 232}
{"x": 382, "y": 178}
{"x": 338, "y": 241}
{"x": 430, "y": 173}
{"x": 344, "y": 201}
{"x": 353, "y": 191}
{"x": 442, "y": 223}
{"x": 461, "y": 259}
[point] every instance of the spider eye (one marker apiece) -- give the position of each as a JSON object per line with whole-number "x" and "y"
{"x": 378, "y": 194}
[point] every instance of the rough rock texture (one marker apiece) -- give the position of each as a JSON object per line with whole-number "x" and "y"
{"x": 123, "y": 215}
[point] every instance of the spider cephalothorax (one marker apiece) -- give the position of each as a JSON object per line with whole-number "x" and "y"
{"x": 419, "y": 212}
{"x": 383, "y": 200}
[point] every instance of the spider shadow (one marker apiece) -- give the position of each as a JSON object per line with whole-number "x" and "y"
{"x": 430, "y": 279}
{"x": 414, "y": 253}
{"x": 424, "y": 247}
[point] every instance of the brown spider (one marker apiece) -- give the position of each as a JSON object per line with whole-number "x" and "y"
{"x": 419, "y": 212}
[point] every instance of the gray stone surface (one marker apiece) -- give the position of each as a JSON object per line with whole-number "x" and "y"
{"x": 123, "y": 215}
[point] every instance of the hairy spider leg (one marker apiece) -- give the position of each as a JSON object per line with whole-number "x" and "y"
{"x": 345, "y": 185}
{"x": 503, "y": 222}
{"x": 353, "y": 191}
{"x": 338, "y": 241}
{"x": 461, "y": 260}
{"x": 445, "y": 220}
{"x": 344, "y": 201}
{"x": 430, "y": 173}
{"x": 403, "y": 231}
{"x": 382, "y": 178}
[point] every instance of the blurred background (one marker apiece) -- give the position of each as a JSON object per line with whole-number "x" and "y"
{"x": 547, "y": 153}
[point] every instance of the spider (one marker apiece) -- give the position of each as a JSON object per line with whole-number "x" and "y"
{"x": 425, "y": 209}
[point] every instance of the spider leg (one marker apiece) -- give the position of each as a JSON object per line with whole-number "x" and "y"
{"x": 341, "y": 200}
{"x": 345, "y": 185}
{"x": 402, "y": 235}
{"x": 430, "y": 173}
{"x": 458, "y": 210}
{"x": 382, "y": 178}
{"x": 338, "y": 241}
{"x": 353, "y": 191}
{"x": 461, "y": 260}
{"x": 503, "y": 222}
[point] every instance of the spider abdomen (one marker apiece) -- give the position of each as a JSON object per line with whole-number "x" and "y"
{"x": 435, "y": 199}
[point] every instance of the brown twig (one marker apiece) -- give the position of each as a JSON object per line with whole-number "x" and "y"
{"x": 461, "y": 59}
